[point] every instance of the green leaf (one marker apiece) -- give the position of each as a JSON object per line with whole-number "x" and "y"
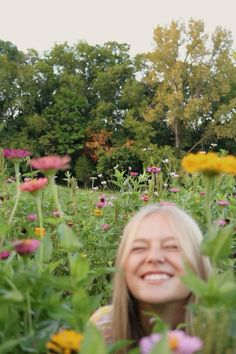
{"x": 93, "y": 341}
{"x": 218, "y": 243}
{"x": 194, "y": 283}
{"x": 120, "y": 345}
{"x": 68, "y": 240}
{"x": 162, "y": 346}
{"x": 79, "y": 266}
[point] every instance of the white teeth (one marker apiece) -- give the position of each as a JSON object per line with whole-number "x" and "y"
{"x": 156, "y": 276}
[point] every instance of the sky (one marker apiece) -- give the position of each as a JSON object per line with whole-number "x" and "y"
{"x": 39, "y": 24}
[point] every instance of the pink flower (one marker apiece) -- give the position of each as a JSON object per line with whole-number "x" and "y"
{"x": 133, "y": 174}
{"x": 145, "y": 198}
{"x": 33, "y": 185}
{"x": 174, "y": 190}
{"x": 179, "y": 342}
{"x": 56, "y": 213}
{"x": 221, "y": 222}
{"x": 153, "y": 169}
{"x": 165, "y": 202}
{"x": 202, "y": 193}
{"x": 26, "y": 246}
{"x": 105, "y": 227}
{"x": 50, "y": 163}
{"x": 4, "y": 254}
{"x": 102, "y": 202}
{"x": 32, "y": 217}
{"x": 15, "y": 153}
{"x": 223, "y": 202}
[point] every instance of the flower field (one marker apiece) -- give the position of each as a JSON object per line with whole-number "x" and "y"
{"x": 58, "y": 245}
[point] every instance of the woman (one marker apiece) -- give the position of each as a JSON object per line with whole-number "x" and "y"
{"x": 156, "y": 243}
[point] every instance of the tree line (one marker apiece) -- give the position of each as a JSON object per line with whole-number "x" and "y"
{"x": 95, "y": 102}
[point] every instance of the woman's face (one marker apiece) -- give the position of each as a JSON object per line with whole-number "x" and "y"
{"x": 155, "y": 264}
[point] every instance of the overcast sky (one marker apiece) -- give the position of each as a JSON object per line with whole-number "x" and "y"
{"x": 39, "y": 24}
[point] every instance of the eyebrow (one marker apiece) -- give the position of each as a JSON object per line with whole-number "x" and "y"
{"x": 168, "y": 238}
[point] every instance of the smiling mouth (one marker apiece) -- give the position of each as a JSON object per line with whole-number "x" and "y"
{"x": 156, "y": 277}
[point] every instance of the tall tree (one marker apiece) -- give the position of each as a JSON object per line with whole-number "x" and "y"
{"x": 192, "y": 75}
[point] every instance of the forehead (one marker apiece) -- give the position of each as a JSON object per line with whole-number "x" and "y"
{"x": 155, "y": 226}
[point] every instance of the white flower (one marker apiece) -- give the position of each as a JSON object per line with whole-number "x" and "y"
{"x": 165, "y": 161}
{"x": 103, "y": 182}
{"x": 213, "y": 145}
{"x": 116, "y": 166}
{"x": 100, "y": 175}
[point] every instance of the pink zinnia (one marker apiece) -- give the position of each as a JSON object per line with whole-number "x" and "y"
{"x": 33, "y": 185}
{"x": 53, "y": 162}
{"x": 32, "y": 217}
{"x": 133, "y": 174}
{"x": 221, "y": 222}
{"x": 179, "y": 342}
{"x": 15, "y": 153}
{"x": 153, "y": 169}
{"x": 4, "y": 254}
{"x": 26, "y": 246}
{"x": 174, "y": 190}
{"x": 223, "y": 202}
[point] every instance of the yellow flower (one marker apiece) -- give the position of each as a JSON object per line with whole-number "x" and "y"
{"x": 65, "y": 342}
{"x": 40, "y": 231}
{"x": 97, "y": 212}
{"x": 210, "y": 164}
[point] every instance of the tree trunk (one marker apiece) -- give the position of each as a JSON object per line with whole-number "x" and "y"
{"x": 177, "y": 133}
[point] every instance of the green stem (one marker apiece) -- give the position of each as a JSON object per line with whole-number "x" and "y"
{"x": 209, "y": 186}
{"x": 39, "y": 209}
{"x": 18, "y": 192}
{"x": 28, "y": 309}
{"x": 53, "y": 187}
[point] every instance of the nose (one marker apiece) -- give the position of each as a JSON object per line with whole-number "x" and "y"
{"x": 155, "y": 255}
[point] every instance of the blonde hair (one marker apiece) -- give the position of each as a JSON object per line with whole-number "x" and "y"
{"x": 189, "y": 237}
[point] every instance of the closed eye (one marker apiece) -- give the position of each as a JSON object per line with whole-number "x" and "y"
{"x": 138, "y": 249}
{"x": 171, "y": 247}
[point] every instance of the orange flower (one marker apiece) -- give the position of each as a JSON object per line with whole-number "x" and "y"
{"x": 40, "y": 231}
{"x": 66, "y": 341}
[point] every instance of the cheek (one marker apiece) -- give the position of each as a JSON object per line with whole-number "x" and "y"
{"x": 176, "y": 261}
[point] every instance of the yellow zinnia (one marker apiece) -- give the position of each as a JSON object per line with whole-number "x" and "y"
{"x": 65, "y": 342}
{"x": 40, "y": 231}
{"x": 97, "y": 212}
{"x": 210, "y": 163}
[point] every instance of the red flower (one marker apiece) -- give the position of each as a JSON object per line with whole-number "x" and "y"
{"x": 15, "y": 153}
{"x": 144, "y": 198}
{"x": 133, "y": 174}
{"x": 50, "y": 163}
{"x": 26, "y": 246}
{"x": 33, "y": 185}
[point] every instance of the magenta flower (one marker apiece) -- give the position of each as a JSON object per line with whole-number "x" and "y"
{"x": 32, "y": 217}
{"x": 223, "y": 202}
{"x": 33, "y": 185}
{"x": 105, "y": 227}
{"x": 26, "y": 246}
{"x": 179, "y": 342}
{"x": 15, "y": 153}
{"x": 174, "y": 190}
{"x": 133, "y": 174}
{"x": 153, "y": 169}
{"x": 52, "y": 162}
{"x": 4, "y": 254}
